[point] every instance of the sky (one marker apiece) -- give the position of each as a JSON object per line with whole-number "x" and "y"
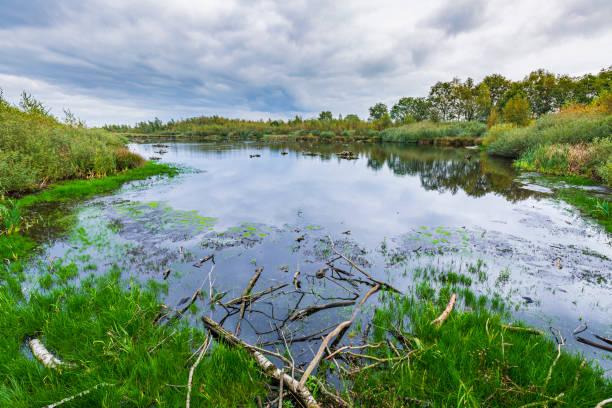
{"x": 112, "y": 61}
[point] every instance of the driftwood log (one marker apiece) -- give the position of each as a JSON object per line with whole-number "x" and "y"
{"x": 297, "y": 389}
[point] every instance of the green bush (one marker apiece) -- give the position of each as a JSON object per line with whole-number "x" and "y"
{"x": 326, "y": 134}
{"x": 496, "y": 131}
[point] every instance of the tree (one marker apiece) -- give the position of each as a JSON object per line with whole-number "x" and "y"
{"x": 30, "y": 105}
{"x": 540, "y": 88}
{"x": 410, "y": 109}
{"x": 378, "y": 111}
{"x": 351, "y": 117}
{"x": 325, "y": 115}
{"x": 443, "y": 99}
{"x": 517, "y": 111}
{"x": 498, "y": 85}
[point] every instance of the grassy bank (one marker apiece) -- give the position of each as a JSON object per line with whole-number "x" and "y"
{"x": 104, "y": 330}
{"x": 474, "y": 359}
{"x": 16, "y": 216}
{"x": 37, "y": 149}
{"x": 444, "y": 133}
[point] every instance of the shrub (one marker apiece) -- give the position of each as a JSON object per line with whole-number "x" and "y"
{"x": 496, "y": 131}
{"x": 37, "y": 149}
{"x": 326, "y": 134}
{"x": 517, "y": 111}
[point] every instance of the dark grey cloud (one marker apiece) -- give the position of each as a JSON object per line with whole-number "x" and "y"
{"x": 455, "y": 16}
{"x": 129, "y": 61}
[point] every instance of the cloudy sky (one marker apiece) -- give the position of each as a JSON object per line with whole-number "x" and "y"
{"x": 113, "y": 61}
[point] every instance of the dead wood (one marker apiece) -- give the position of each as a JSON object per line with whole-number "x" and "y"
{"x": 166, "y": 274}
{"x": 80, "y": 394}
{"x": 296, "y": 282}
{"x": 594, "y": 344}
{"x": 317, "y": 308}
{"x": 246, "y": 292}
{"x": 342, "y": 327}
{"x": 297, "y": 389}
{"x": 43, "y": 355}
{"x": 604, "y": 402}
{"x": 354, "y": 265}
{"x": 607, "y": 340}
{"x": 522, "y": 329}
{"x": 254, "y": 296}
{"x": 192, "y": 369}
{"x": 449, "y": 308}
{"x": 206, "y": 258}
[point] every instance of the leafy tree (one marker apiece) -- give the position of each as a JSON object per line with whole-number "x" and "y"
{"x": 498, "y": 85}
{"x": 378, "y": 111}
{"x": 383, "y": 122}
{"x": 517, "y": 111}
{"x": 540, "y": 89}
{"x": 411, "y": 109}
{"x": 325, "y": 115}
{"x": 351, "y": 117}
{"x": 443, "y": 99}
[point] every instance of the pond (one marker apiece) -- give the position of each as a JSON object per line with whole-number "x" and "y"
{"x": 401, "y": 212}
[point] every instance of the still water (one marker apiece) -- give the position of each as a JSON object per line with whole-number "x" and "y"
{"x": 396, "y": 209}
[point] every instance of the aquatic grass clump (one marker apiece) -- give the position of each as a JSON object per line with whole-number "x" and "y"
{"x": 104, "y": 329}
{"x": 474, "y": 359}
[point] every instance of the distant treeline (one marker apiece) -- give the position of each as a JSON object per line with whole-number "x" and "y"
{"x": 492, "y": 100}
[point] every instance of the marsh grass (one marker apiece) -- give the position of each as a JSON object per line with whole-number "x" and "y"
{"x": 594, "y": 207}
{"x": 427, "y": 132}
{"x": 104, "y": 329}
{"x": 471, "y": 361}
{"x": 37, "y": 149}
{"x": 568, "y": 128}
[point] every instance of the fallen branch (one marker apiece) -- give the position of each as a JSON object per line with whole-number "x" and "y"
{"x": 449, "y": 308}
{"x": 252, "y": 297}
{"x": 297, "y": 389}
{"x": 246, "y": 292}
{"x": 560, "y": 343}
{"x": 43, "y": 355}
{"x": 95, "y": 387}
{"x": 354, "y": 265}
{"x": 604, "y": 402}
{"x": 201, "y": 261}
{"x": 192, "y": 369}
{"x": 523, "y": 329}
{"x": 338, "y": 331}
{"x": 607, "y": 340}
{"x": 296, "y": 282}
{"x": 313, "y": 309}
{"x": 594, "y": 344}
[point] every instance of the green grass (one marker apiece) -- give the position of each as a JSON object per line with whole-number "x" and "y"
{"x": 37, "y": 149}
{"x": 597, "y": 208}
{"x": 570, "y": 128}
{"x": 78, "y": 189}
{"x": 463, "y": 363}
{"x": 104, "y": 329}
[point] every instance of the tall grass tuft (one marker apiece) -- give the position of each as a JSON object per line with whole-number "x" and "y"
{"x": 37, "y": 149}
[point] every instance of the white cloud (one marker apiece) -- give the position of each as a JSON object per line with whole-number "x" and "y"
{"x": 115, "y": 61}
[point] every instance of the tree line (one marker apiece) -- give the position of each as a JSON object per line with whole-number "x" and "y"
{"x": 536, "y": 94}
